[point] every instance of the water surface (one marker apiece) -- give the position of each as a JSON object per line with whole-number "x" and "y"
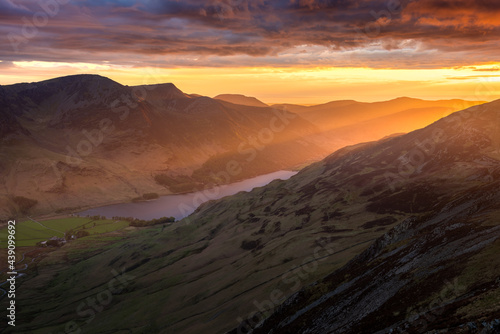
{"x": 181, "y": 206}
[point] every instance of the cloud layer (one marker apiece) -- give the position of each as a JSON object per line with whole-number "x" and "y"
{"x": 172, "y": 33}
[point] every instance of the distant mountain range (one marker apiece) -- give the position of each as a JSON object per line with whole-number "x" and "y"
{"x": 338, "y": 114}
{"x": 400, "y": 235}
{"x": 85, "y": 140}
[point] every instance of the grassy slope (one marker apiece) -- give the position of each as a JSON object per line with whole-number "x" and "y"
{"x": 195, "y": 276}
{"x": 196, "y": 256}
{"x": 28, "y": 232}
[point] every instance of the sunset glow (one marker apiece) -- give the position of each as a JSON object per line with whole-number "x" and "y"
{"x": 303, "y": 52}
{"x": 250, "y": 166}
{"x": 290, "y": 84}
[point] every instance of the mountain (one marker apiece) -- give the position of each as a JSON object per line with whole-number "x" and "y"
{"x": 401, "y": 234}
{"x": 349, "y": 122}
{"x": 434, "y": 272}
{"x": 337, "y": 114}
{"x": 376, "y": 128}
{"x": 241, "y": 99}
{"x": 86, "y": 140}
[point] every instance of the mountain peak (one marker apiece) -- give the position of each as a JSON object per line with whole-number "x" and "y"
{"x": 62, "y": 98}
{"x": 66, "y": 83}
{"x": 85, "y": 79}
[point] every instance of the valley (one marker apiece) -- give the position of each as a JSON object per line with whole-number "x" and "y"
{"x": 83, "y": 141}
{"x": 249, "y": 167}
{"x": 182, "y": 205}
{"x": 365, "y": 239}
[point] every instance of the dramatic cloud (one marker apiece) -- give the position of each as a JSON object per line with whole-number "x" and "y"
{"x": 171, "y": 33}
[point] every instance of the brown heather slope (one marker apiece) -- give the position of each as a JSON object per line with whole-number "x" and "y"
{"x": 382, "y": 228}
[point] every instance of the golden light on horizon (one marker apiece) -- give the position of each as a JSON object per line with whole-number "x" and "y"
{"x": 300, "y": 85}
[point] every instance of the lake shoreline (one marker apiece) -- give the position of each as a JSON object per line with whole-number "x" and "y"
{"x": 85, "y": 208}
{"x": 100, "y": 209}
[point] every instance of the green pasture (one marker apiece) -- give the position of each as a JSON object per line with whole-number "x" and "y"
{"x": 29, "y": 232}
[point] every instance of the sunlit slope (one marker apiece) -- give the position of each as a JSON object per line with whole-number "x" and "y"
{"x": 341, "y": 113}
{"x": 344, "y": 123}
{"x": 434, "y": 271}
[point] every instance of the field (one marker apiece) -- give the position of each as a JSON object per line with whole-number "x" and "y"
{"x": 30, "y": 232}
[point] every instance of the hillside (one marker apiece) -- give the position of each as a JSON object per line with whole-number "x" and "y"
{"x": 348, "y": 122}
{"x": 436, "y": 270}
{"x": 86, "y": 140}
{"x": 81, "y": 141}
{"x": 383, "y": 228}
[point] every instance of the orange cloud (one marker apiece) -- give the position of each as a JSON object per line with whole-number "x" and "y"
{"x": 282, "y": 33}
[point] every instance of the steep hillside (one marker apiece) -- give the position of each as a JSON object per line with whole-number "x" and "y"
{"x": 86, "y": 140}
{"x": 434, "y": 271}
{"x": 381, "y": 227}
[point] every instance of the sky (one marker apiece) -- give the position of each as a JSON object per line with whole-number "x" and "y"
{"x": 280, "y": 51}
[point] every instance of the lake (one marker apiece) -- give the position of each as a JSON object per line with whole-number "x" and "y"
{"x": 181, "y": 206}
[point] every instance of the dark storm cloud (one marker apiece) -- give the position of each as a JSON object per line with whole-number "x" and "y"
{"x": 123, "y": 29}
